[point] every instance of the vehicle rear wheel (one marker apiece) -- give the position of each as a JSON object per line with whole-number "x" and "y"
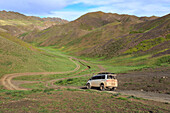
{"x": 113, "y": 89}
{"x": 102, "y": 87}
{"x": 88, "y": 86}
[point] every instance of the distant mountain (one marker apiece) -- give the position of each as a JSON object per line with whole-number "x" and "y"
{"x": 10, "y": 15}
{"x": 106, "y": 34}
{"x": 90, "y": 22}
{"x": 94, "y": 20}
{"x": 16, "y": 23}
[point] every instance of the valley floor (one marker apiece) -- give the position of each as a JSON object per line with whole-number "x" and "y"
{"x": 44, "y": 95}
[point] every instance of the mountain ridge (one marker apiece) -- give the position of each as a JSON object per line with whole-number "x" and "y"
{"x": 103, "y": 34}
{"x": 85, "y": 24}
{"x": 89, "y": 34}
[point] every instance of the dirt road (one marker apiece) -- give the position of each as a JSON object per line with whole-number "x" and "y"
{"x": 146, "y": 95}
{"x": 6, "y": 81}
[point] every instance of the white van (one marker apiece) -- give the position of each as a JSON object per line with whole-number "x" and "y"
{"x": 103, "y": 80}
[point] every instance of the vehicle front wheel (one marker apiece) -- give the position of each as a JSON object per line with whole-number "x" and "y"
{"x": 88, "y": 86}
{"x": 102, "y": 87}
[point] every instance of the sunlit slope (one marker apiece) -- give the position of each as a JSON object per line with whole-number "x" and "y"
{"x": 18, "y": 56}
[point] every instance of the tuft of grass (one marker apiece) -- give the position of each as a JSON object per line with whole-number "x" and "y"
{"x": 133, "y": 32}
{"x": 48, "y": 90}
{"x": 164, "y": 59}
{"x": 122, "y": 98}
{"x": 134, "y": 97}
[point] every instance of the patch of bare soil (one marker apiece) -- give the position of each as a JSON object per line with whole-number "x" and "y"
{"x": 152, "y": 80}
{"x": 146, "y": 95}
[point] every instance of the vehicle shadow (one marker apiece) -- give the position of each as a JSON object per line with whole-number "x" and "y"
{"x": 94, "y": 88}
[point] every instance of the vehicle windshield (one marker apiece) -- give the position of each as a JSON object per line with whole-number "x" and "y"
{"x": 111, "y": 77}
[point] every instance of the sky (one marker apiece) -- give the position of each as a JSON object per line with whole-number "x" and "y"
{"x": 72, "y": 9}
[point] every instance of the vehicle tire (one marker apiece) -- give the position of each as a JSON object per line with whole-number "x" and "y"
{"x": 102, "y": 87}
{"x": 113, "y": 89}
{"x": 88, "y": 86}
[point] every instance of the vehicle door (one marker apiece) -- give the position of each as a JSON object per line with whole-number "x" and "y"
{"x": 95, "y": 80}
{"x": 101, "y": 79}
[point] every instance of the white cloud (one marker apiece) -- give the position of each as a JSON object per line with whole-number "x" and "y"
{"x": 34, "y": 6}
{"x": 56, "y": 8}
{"x": 138, "y": 8}
{"x": 68, "y": 15}
{"x": 98, "y": 2}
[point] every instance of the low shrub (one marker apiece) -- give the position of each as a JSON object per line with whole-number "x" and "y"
{"x": 48, "y": 90}
{"x": 122, "y": 98}
{"x": 134, "y": 97}
{"x": 164, "y": 59}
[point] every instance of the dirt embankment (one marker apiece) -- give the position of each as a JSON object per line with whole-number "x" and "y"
{"x": 150, "y": 81}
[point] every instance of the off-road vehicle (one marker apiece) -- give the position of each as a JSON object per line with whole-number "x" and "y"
{"x": 104, "y": 80}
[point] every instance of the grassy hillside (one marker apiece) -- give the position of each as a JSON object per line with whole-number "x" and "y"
{"x": 18, "y": 56}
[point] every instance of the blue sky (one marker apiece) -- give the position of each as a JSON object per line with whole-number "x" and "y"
{"x": 72, "y": 9}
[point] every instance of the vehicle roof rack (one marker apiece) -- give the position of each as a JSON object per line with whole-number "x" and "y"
{"x": 106, "y": 73}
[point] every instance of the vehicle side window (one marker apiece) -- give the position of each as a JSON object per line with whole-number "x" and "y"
{"x": 110, "y": 77}
{"x": 103, "y": 77}
{"x": 93, "y": 78}
{"x": 96, "y": 77}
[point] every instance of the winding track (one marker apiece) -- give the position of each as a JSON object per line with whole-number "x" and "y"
{"x": 6, "y": 79}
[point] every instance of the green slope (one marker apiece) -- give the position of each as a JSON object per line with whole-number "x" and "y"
{"x": 17, "y": 56}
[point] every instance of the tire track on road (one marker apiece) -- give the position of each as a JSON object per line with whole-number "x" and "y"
{"x": 6, "y": 79}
